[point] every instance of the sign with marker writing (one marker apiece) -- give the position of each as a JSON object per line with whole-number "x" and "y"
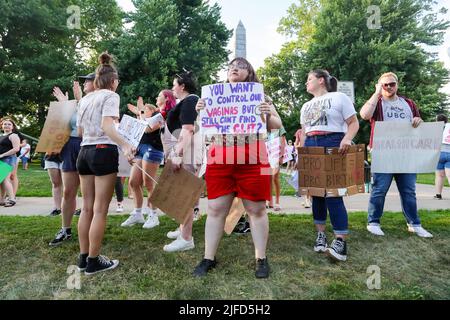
{"x": 132, "y": 129}
{"x": 232, "y": 108}
{"x": 400, "y": 148}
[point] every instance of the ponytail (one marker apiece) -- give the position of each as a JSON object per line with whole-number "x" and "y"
{"x": 330, "y": 81}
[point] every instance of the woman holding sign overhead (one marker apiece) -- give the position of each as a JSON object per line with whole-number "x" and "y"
{"x": 149, "y": 155}
{"x": 228, "y": 177}
{"x": 68, "y": 168}
{"x": 328, "y": 120}
{"x": 98, "y": 163}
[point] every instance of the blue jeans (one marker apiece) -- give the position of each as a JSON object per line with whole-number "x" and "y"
{"x": 406, "y": 184}
{"x": 335, "y": 205}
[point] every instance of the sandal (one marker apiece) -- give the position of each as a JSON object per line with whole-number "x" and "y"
{"x": 9, "y": 203}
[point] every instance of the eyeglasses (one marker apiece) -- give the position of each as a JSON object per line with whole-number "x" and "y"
{"x": 389, "y": 85}
{"x": 238, "y": 65}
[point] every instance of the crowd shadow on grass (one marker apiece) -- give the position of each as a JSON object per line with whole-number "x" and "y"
{"x": 411, "y": 267}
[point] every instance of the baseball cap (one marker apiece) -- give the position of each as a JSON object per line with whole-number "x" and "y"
{"x": 90, "y": 76}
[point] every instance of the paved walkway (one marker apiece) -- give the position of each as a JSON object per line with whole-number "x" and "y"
{"x": 289, "y": 204}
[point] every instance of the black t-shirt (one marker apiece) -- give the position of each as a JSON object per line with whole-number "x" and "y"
{"x": 183, "y": 113}
{"x": 153, "y": 138}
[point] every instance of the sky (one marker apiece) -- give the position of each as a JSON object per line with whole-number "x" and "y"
{"x": 261, "y": 19}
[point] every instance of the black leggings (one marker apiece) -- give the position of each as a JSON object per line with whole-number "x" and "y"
{"x": 119, "y": 189}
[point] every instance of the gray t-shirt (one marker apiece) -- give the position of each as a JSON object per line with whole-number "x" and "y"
{"x": 93, "y": 107}
{"x": 397, "y": 110}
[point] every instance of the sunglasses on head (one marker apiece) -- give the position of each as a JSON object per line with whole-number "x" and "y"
{"x": 389, "y": 85}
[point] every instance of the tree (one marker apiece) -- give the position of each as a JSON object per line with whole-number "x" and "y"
{"x": 39, "y": 50}
{"x": 168, "y": 36}
{"x": 343, "y": 44}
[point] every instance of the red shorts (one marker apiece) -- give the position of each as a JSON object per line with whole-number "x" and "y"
{"x": 246, "y": 181}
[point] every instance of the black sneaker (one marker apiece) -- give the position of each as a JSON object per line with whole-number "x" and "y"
{"x": 338, "y": 250}
{"x": 82, "y": 261}
{"x": 203, "y": 267}
{"x": 242, "y": 228}
{"x": 55, "y": 212}
{"x": 438, "y": 197}
{"x": 60, "y": 237}
{"x": 321, "y": 242}
{"x": 99, "y": 264}
{"x": 262, "y": 268}
{"x": 77, "y": 212}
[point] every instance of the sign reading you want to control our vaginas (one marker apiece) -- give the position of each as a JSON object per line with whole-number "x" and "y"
{"x": 232, "y": 108}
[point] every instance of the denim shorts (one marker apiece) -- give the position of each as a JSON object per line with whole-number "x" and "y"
{"x": 149, "y": 153}
{"x": 444, "y": 161}
{"x": 11, "y": 160}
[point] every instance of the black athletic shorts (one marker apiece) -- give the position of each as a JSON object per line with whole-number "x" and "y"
{"x": 98, "y": 160}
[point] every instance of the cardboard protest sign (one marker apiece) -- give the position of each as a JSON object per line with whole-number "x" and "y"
{"x": 56, "y": 131}
{"x": 237, "y": 210}
{"x": 446, "y": 134}
{"x": 323, "y": 172}
{"x": 132, "y": 129}
{"x": 400, "y": 148}
{"x": 5, "y": 169}
{"x": 287, "y": 155}
{"x": 273, "y": 152}
{"x": 232, "y": 108}
{"x": 177, "y": 192}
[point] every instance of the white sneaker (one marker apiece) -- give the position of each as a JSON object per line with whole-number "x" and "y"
{"x": 376, "y": 230}
{"x": 174, "y": 234}
{"x": 410, "y": 228}
{"x": 119, "y": 207}
{"x": 133, "y": 219}
{"x": 197, "y": 214}
{"x": 307, "y": 203}
{"x": 421, "y": 232}
{"x": 152, "y": 221}
{"x": 179, "y": 245}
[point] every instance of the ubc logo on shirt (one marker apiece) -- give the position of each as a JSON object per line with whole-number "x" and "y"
{"x": 397, "y": 110}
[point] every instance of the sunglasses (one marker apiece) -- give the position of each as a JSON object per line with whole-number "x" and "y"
{"x": 239, "y": 65}
{"x": 389, "y": 85}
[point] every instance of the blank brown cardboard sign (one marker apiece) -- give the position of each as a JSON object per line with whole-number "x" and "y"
{"x": 56, "y": 129}
{"x": 177, "y": 192}
{"x": 237, "y": 210}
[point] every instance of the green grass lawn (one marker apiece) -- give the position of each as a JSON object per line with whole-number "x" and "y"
{"x": 36, "y": 183}
{"x": 411, "y": 267}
